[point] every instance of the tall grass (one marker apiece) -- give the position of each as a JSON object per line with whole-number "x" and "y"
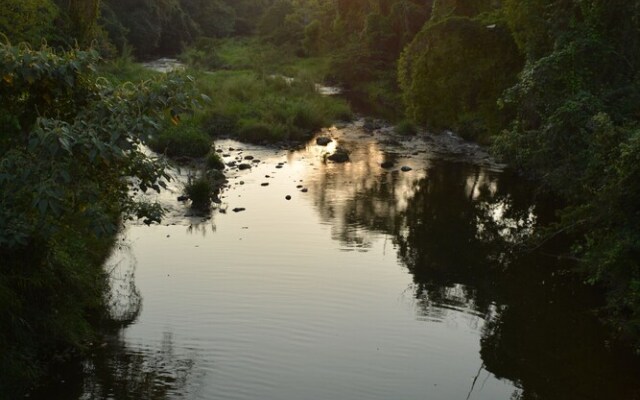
{"x": 255, "y": 107}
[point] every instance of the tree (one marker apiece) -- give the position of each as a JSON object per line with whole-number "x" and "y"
{"x": 455, "y": 70}
{"x": 576, "y": 132}
{"x": 27, "y": 20}
{"x": 69, "y": 156}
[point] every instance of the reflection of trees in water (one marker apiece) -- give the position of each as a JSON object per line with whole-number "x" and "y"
{"x": 124, "y": 301}
{"x": 113, "y": 370}
{"x": 451, "y": 234}
{"x": 456, "y": 233}
{"x": 118, "y": 372}
{"x": 457, "y": 241}
{"x": 359, "y": 197}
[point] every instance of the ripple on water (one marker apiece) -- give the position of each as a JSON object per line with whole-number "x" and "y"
{"x": 374, "y": 284}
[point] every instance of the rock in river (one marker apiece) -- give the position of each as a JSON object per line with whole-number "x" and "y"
{"x": 323, "y": 140}
{"x": 387, "y": 164}
{"x": 340, "y": 155}
{"x": 244, "y": 166}
{"x": 406, "y": 169}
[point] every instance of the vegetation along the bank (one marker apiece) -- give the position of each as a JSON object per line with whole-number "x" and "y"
{"x": 70, "y": 155}
{"x": 552, "y": 85}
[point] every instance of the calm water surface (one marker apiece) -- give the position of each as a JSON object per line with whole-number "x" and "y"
{"x": 373, "y": 284}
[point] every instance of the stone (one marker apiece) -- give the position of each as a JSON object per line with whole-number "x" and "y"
{"x": 244, "y": 166}
{"x": 387, "y": 164}
{"x": 339, "y": 156}
{"x": 406, "y": 169}
{"x": 287, "y": 197}
{"x": 238, "y": 209}
{"x": 323, "y": 140}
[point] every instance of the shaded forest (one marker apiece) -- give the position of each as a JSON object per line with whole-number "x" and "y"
{"x": 551, "y": 86}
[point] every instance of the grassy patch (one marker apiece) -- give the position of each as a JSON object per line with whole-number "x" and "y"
{"x": 256, "y": 107}
{"x": 263, "y": 93}
{"x": 183, "y": 140}
{"x": 124, "y": 69}
{"x": 199, "y": 192}
{"x": 214, "y": 161}
{"x": 406, "y": 128}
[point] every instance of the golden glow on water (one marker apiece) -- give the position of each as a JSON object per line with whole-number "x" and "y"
{"x": 373, "y": 284}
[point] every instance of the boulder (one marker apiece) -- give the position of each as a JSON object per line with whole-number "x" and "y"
{"x": 339, "y": 156}
{"x": 387, "y": 164}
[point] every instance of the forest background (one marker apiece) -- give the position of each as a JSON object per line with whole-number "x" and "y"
{"x": 551, "y": 85}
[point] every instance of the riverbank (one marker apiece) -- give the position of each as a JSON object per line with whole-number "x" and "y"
{"x": 308, "y": 270}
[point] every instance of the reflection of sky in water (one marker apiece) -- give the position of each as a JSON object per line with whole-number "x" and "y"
{"x": 375, "y": 284}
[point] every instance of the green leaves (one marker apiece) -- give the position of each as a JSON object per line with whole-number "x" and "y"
{"x": 435, "y": 71}
{"x": 78, "y": 147}
{"x": 70, "y": 152}
{"x": 576, "y": 131}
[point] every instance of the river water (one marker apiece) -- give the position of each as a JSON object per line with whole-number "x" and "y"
{"x": 372, "y": 283}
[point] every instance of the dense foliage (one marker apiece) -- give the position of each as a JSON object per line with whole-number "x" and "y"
{"x": 435, "y": 69}
{"x": 165, "y": 27}
{"x": 554, "y": 84}
{"x": 69, "y": 156}
{"x": 576, "y": 132}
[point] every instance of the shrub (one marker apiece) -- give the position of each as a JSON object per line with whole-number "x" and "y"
{"x": 182, "y": 140}
{"x": 435, "y": 68}
{"x": 202, "y": 54}
{"x": 217, "y": 123}
{"x": 406, "y": 128}
{"x": 254, "y": 131}
{"x": 63, "y": 188}
{"x": 309, "y": 118}
{"x": 200, "y": 192}
{"x": 214, "y": 161}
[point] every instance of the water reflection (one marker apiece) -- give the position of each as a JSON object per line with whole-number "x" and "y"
{"x": 360, "y": 199}
{"x": 114, "y": 369}
{"x": 118, "y": 372}
{"x": 279, "y": 304}
{"x": 455, "y": 226}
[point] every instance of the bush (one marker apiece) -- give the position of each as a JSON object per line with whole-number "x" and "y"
{"x": 217, "y": 123}
{"x": 254, "y": 131}
{"x": 257, "y": 106}
{"x": 202, "y": 55}
{"x": 308, "y": 118}
{"x": 200, "y": 192}
{"x": 406, "y": 128}
{"x": 183, "y": 140}
{"x": 435, "y": 68}
{"x": 214, "y": 161}
{"x": 74, "y": 142}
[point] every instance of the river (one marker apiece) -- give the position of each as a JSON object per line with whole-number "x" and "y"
{"x": 368, "y": 283}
